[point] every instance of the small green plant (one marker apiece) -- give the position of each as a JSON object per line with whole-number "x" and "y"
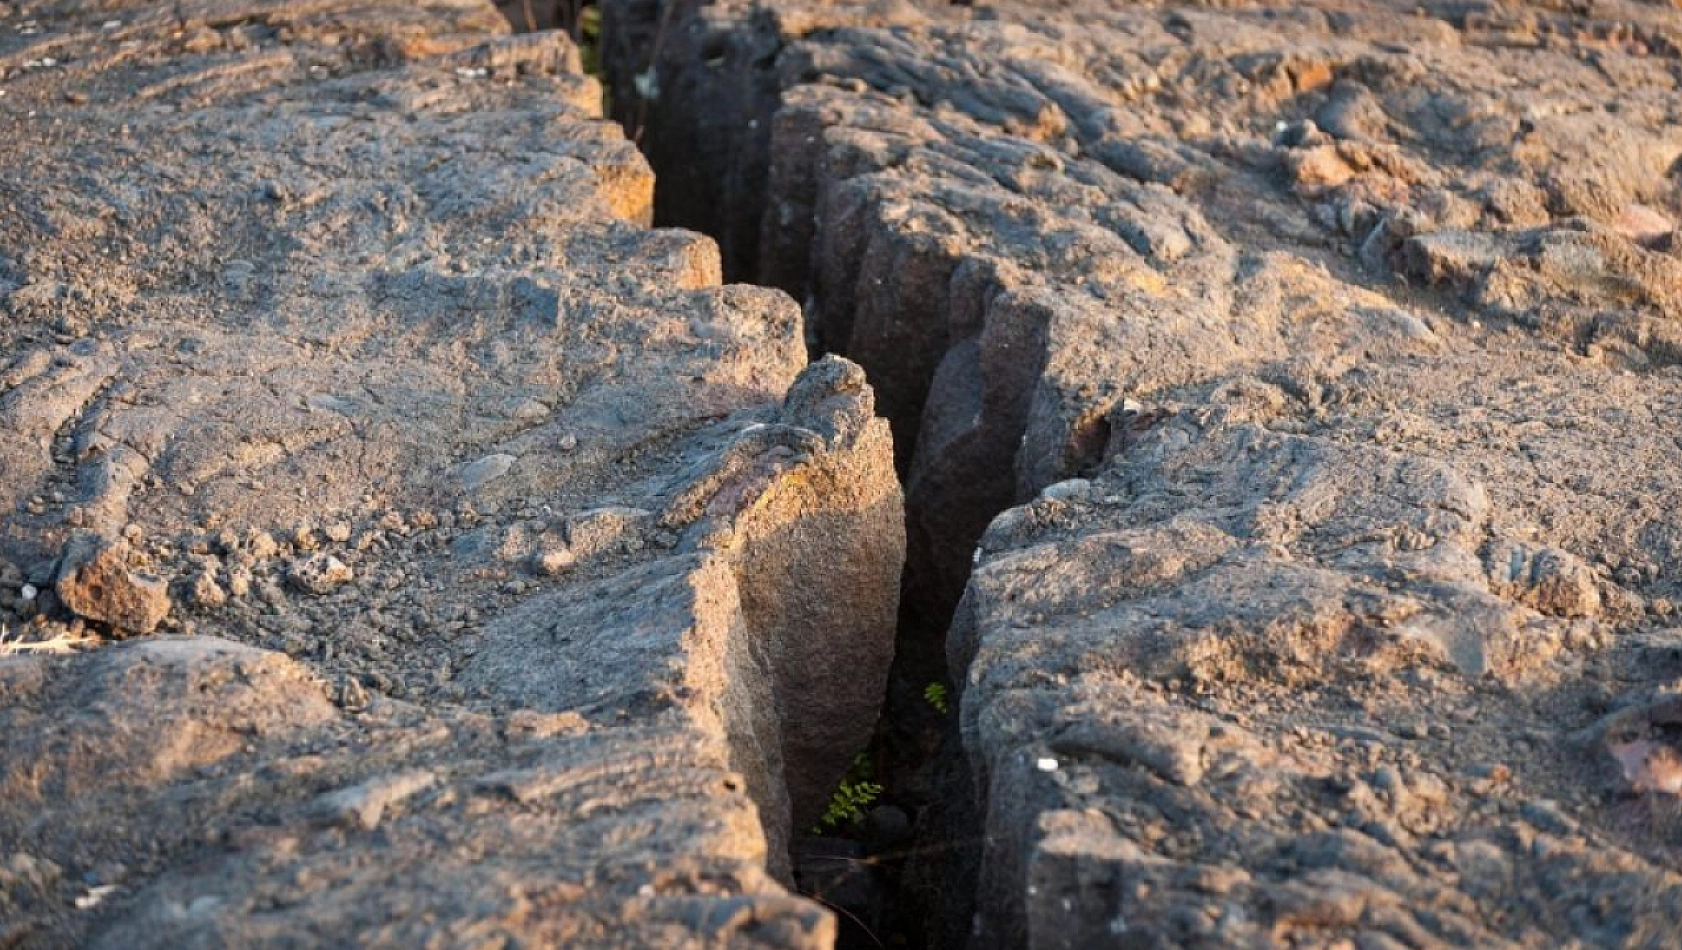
{"x": 852, "y": 798}
{"x": 935, "y": 695}
{"x": 587, "y": 33}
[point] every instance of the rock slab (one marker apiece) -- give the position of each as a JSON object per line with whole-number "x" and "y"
{"x": 518, "y": 583}
{"x": 1284, "y": 397}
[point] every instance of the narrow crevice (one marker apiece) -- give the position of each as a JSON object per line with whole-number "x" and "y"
{"x": 738, "y": 153}
{"x": 696, "y": 91}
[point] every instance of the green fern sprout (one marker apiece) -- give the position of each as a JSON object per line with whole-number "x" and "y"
{"x": 935, "y": 695}
{"x": 852, "y": 798}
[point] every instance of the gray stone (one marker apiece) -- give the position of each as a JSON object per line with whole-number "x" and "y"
{"x": 477, "y": 474}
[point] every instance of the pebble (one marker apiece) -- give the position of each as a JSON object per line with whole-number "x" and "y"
{"x": 319, "y": 573}
{"x": 205, "y": 592}
{"x": 263, "y": 545}
{"x": 271, "y": 594}
{"x": 1073, "y": 489}
{"x": 552, "y": 560}
{"x": 363, "y": 806}
{"x": 475, "y": 475}
{"x": 529, "y": 410}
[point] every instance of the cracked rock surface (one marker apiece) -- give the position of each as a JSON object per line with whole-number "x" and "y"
{"x": 477, "y": 520}
{"x": 1321, "y": 360}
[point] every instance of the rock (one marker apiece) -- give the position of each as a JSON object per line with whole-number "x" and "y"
{"x": 552, "y": 559}
{"x": 363, "y": 805}
{"x": 389, "y": 250}
{"x": 95, "y": 582}
{"x": 475, "y": 475}
{"x": 1345, "y": 509}
{"x": 1552, "y": 581}
{"x": 21, "y": 872}
{"x": 1548, "y": 816}
{"x": 319, "y": 573}
{"x": 1650, "y": 766}
{"x": 262, "y": 545}
{"x": 1644, "y": 224}
{"x": 595, "y": 532}
{"x": 205, "y": 592}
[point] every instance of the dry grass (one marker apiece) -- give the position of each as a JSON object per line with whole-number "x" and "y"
{"x": 59, "y": 645}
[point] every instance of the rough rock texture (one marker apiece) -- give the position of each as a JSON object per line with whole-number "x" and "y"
{"x": 1333, "y": 350}
{"x": 94, "y": 581}
{"x": 523, "y": 588}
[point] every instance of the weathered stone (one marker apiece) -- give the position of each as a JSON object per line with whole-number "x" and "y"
{"x": 319, "y": 573}
{"x": 205, "y": 592}
{"x": 1167, "y": 251}
{"x": 94, "y": 581}
{"x": 363, "y": 805}
{"x": 475, "y": 475}
{"x": 309, "y": 292}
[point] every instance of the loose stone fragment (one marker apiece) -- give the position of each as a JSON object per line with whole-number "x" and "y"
{"x": 363, "y": 805}
{"x": 476, "y": 475}
{"x": 95, "y": 582}
{"x": 319, "y": 573}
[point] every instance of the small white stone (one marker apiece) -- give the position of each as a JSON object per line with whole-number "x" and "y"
{"x": 1046, "y": 764}
{"x": 647, "y": 85}
{"x": 94, "y": 896}
{"x": 29, "y": 592}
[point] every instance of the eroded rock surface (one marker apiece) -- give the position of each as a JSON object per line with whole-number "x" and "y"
{"x": 517, "y": 584}
{"x": 1328, "y": 353}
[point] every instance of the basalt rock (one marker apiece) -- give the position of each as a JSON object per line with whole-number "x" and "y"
{"x": 1296, "y": 381}
{"x": 94, "y": 581}
{"x": 346, "y": 319}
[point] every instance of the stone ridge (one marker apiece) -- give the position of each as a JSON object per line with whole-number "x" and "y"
{"x": 515, "y": 582}
{"x": 1327, "y": 355}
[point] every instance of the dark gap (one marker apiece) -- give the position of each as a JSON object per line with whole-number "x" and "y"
{"x": 700, "y": 96}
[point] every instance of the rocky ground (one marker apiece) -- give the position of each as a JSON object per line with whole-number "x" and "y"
{"x": 406, "y": 544}
{"x": 1327, "y": 353}
{"x": 432, "y": 541}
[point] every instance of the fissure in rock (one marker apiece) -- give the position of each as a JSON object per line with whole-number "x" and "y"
{"x": 738, "y": 147}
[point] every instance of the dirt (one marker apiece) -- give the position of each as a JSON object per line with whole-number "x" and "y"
{"x": 1267, "y": 538}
